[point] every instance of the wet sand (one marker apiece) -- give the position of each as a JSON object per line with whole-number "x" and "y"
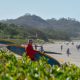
{"x": 74, "y": 57}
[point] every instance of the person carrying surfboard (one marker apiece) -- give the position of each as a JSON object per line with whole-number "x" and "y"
{"x": 30, "y": 51}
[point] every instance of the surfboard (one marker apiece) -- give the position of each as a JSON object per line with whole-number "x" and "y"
{"x": 20, "y": 50}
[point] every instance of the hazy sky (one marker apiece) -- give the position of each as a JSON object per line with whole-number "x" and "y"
{"x": 43, "y": 8}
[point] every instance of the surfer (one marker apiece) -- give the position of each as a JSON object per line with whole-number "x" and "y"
{"x": 30, "y": 51}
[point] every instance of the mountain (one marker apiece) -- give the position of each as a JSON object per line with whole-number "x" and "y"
{"x": 68, "y": 25}
{"x": 29, "y": 20}
{"x": 50, "y": 27}
{"x": 63, "y": 23}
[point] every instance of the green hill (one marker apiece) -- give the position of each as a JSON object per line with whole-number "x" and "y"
{"x": 28, "y": 25}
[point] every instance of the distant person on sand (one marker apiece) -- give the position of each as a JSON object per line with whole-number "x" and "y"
{"x": 61, "y": 47}
{"x": 30, "y": 51}
{"x": 42, "y": 50}
{"x": 35, "y": 47}
{"x": 72, "y": 43}
{"x": 68, "y": 52}
{"x": 78, "y": 47}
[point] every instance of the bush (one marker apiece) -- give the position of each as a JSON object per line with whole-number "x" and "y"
{"x": 12, "y": 68}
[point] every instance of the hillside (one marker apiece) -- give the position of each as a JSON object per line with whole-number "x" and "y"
{"x": 29, "y": 20}
{"x": 12, "y": 31}
{"x": 67, "y": 25}
{"x": 51, "y": 28}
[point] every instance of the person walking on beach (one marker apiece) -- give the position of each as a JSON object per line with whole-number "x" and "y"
{"x": 61, "y": 47}
{"x": 42, "y": 49}
{"x": 68, "y": 52}
{"x": 78, "y": 46}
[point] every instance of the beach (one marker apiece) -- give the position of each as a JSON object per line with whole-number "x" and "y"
{"x": 74, "y": 57}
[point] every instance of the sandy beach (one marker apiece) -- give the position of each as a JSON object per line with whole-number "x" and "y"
{"x": 74, "y": 57}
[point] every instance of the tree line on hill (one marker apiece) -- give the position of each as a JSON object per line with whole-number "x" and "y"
{"x": 12, "y": 31}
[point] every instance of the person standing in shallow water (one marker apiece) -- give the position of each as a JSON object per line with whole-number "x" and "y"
{"x": 30, "y": 51}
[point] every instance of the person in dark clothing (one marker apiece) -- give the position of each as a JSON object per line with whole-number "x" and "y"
{"x": 61, "y": 47}
{"x": 35, "y": 47}
{"x": 72, "y": 43}
{"x": 78, "y": 47}
{"x": 42, "y": 50}
{"x": 68, "y": 52}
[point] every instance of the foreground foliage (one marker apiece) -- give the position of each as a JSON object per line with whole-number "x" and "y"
{"x": 12, "y": 68}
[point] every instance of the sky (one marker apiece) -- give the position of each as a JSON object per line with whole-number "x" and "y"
{"x": 47, "y": 9}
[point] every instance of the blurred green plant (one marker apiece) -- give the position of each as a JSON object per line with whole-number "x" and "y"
{"x": 12, "y": 68}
